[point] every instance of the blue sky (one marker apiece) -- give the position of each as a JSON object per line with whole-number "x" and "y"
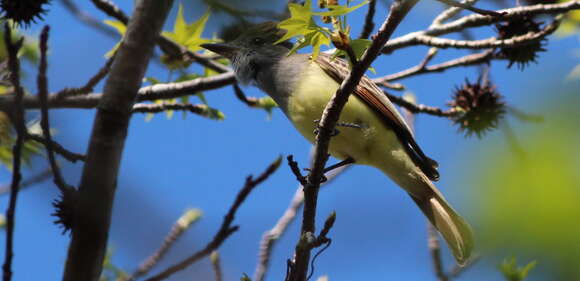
{"x": 171, "y": 165}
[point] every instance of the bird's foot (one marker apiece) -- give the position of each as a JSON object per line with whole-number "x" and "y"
{"x": 338, "y": 124}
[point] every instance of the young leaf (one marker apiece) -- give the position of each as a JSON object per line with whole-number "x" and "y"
{"x": 339, "y": 10}
{"x": 188, "y": 35}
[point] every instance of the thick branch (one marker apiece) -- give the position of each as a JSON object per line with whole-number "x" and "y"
{"x": 97, "y": 188}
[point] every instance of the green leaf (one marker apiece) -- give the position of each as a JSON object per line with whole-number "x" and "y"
{"x": 121, "y": 28}
{"x": 117, "y": 25}
{"x": 512, "y": 272}
{"x": 188, "y": 35}
{"x": 339, "y": 10}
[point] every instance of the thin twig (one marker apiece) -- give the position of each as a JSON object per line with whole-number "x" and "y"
{"x": 19, "y": 124}
{"x": 271, "y": 236}
{"x": 451, "y": 12}
{"x": 44, "y": 122}
{"x": 435, "y": 251}
{"x": 492, "y": 42}
{"x": 216, "y": 265}
{"x": 180, "y": 226}
{"x": 249, "y": 101}
{"x": 472, "y": 59}
{"x": 89, "y": 86}
{"x": 38, "y": 178}
{"x": 226, "y": 229}
{"x": 56, "y": 147}
{"x": 199, "y": 109}
{"x": 420, "y": 108}
{"x": 470, "y": 8}
{"x": 147, "y": 93}
{"x": 88, "y": 19}
{"x": 299, "y": 268}
{"x": 479, "y": 20}
{"x": 369, "y": 24}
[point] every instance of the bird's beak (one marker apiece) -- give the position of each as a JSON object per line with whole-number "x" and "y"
{"x": 223, "y": 49}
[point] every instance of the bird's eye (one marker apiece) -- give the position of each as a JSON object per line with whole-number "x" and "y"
{"x": 258, "y": 41}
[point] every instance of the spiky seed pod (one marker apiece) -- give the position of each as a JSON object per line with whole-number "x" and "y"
{"x": 65, "y": 209}
{"x": 521, "y": 55}
{"x": 480, "y": 105}
{"x": 23, "y": 12}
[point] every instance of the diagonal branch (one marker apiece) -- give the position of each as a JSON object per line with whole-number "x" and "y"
{"x": 226, "y": 229}
{"x": 399, "y": 9}
{"x": 467, "y": 60}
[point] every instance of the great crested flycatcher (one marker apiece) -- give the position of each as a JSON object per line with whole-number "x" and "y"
{"x": 376, "y": 135}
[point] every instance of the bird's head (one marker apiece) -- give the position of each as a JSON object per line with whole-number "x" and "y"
{"x": 253, "y": 50}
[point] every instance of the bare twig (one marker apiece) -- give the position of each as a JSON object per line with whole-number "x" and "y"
{"x": 19, "y": 124}
{"x": 435, "y": 251}
{"x": 369, "y": 24}
{"x": 44, "y": 122}
{"x": 147, "y": 93}
{"x": 249, "y": 101}
{"x": 467, "y": 60}
{"x": 216, "y": 265}
{"x": 93, "y": 208}
{"x": 40, "y": 177}
{"x": 420, "y": 108}
{"x": 111, "y": 10}
{"x": 451, "y": 12}
{"x": 199, "y": 109}
{"x": 485, "y": 43}
{"x": 89, "y": 86}
{"x": 88, "y": 19}
{"x": 299, "y": 269}
{"x": 56, "y": 147}
{"x": 226, "y": 229}
{"x": 180, "y": 226}
{"x": 470, "y": 8}
{"x": 479, "y": 20}
{"x": 271, "y": 236}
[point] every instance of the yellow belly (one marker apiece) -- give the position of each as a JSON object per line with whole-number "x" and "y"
{"x": 372, "y": 144}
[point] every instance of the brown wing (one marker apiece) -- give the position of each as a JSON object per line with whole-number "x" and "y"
{"x": 370, "y": 93}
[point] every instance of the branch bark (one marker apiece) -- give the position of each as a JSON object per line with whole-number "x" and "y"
{"x": 399, "y": 10}
{"x": 97, "y": 188}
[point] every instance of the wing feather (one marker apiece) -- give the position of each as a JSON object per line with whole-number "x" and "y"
{"x": 372, "y": 95}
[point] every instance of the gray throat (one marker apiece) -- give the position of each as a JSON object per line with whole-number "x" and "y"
{"x": 279, "y": 79}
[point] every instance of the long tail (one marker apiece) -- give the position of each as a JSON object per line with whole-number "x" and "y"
{"x": 454, "y": 229}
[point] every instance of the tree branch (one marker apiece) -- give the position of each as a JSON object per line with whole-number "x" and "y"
{"x": 147, "y": 93}
{"x": 472, "y": 59}
{"x": 97, "y": 188}
{"x": 399, "y": 9}
{"x": 271, "y": 236}
{"x": 226, "y": 228}
{"x": 369, "y": 24}
{"x": 479, "y": 20}
{"x": 184, "y": 222}
{"x": 44, "y": 122}
{"x": 19, "y": 124}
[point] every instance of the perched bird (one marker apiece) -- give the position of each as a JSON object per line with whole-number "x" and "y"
{"x": 371, "y": 131}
